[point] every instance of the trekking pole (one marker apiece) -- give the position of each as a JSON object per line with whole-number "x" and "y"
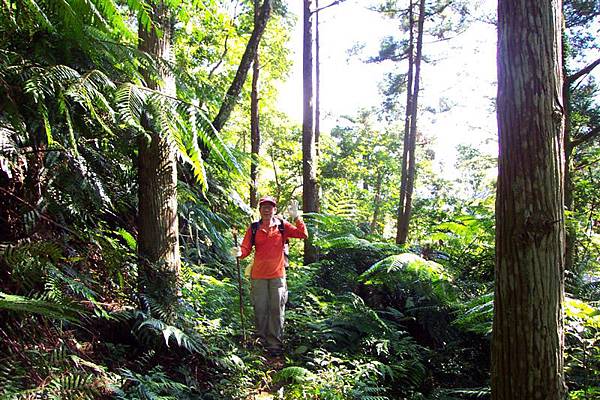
{"x": 239, "y": 270}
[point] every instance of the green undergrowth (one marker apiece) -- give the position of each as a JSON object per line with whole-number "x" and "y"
{"x": 369, "y": 320}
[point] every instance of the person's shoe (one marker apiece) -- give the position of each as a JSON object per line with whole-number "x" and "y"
{"x": 274, "y": 352}
{"x": 276, "y": 362}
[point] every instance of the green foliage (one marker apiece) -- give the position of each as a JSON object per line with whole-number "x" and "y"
{"x": 155, "y": 384}
{"x": 426, "y": 278}
{"x": 582, "y": 355}
{"x": 49, "y": 309}
{"x": 359, "y": 171}
{"x": 476, "y": 315}
{"x": 49, "y": 371}
{"x": 147, "y": 327}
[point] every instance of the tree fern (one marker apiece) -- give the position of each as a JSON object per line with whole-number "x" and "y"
{"x": 130, "y": 102}
{"x": 408, "y": 268}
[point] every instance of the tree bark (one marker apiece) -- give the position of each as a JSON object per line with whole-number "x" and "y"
{"x": 254, "y": 122}
{"x": 410, "y": 124}
{"x": 317, "y": 81}
{"x": 309, "y": 160}
{"x": 527, "y": 339}
{"x": 158, "y": 235}
{"x": 235, "y": 89}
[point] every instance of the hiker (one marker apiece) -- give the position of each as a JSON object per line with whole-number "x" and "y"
{"x": 269, "y": 236}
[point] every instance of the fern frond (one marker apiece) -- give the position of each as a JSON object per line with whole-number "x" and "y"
{"x": 46, "y": 82}
{"x": 476, "y": 315}
{"x": 155, "y": 384}
{"x": 67, "y": 290}
{"x": 39, "y": 306}
{"x": 73, "y": 386}
{"x": 39, "y": 16}
{"x": 130, "y": 104}
{"x": 181, "y": 338}
{"x": 143, "y": 10}
{"x": 15, "y": 255}
{"x": 341, "y": 204}
{"x": 294, "y": 374}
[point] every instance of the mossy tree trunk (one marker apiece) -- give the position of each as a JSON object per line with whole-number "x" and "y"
{"x": 158, "y": 234}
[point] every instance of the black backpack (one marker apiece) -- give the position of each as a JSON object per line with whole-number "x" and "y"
{"x": 254, "y": 228}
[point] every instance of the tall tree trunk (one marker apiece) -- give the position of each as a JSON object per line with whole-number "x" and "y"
{"x": 158, "y": 235}
{"x": 570, "y": 231}
{"x": 317, "y": 81}
{"x": 309, "y": 161}
{"x": 410, "y": 125}
{"x": 254, "y": 122}
{"x": 235, "y": 89}
{"x": 317, "y": 99}
{"x": 527, "y": 339}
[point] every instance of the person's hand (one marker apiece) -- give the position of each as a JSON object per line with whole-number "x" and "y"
{"x": 293, "y": 210}
{"x": 236, "y": 251}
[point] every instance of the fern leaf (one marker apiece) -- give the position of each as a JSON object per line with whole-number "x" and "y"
{"x": 39, "y": 15}
{"x": 130, "y": 102}
{"x": 36, "y": 306}
{"x": 294, "y": 374}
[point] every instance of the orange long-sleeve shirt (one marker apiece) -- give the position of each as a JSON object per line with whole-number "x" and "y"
{"x": 269, "y": 261}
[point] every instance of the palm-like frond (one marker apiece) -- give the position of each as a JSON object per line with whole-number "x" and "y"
{"x": 39, "y": 306}
{"x": 130, "y": 104}
{"x": 341, "y": 204}
{"x": 182, "y": 123}
{"x": 294, "y": 374}
{"x": 154, "y": 384}
{"x": 181, "y": 338}
{"x": 428, "y": 277}
{"x": 476, "y": 315}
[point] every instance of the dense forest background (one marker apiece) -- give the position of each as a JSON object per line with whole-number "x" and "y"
{"x": 91, "y": 305}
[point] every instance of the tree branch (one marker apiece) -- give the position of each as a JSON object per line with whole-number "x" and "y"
{"x": 234, "y": 90}
{"x": 335, "y": 3}
{"x": 594, "y": 132}
{"x": 584, "y": 71}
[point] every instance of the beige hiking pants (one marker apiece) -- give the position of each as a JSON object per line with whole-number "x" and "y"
{"x": 269, "y": 297}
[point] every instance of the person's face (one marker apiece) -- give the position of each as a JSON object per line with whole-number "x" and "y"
{"x": 267, "y": 210}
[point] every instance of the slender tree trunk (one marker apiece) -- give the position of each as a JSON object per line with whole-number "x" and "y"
{"x": 412, "y": 161}
{"x": 527, "y": 340}
{"x": 410, "y": 128}
{"x": 235, "y": 89}
{"x": 254, "y": 122}
{"x": 158, "y": 235}
{"x": 317, "y": 99}
{"x": 317, "y": 81}
{"x": 571, "y": 234}
{"x": 377, "y": 202}
{"x": 309, "y": 160}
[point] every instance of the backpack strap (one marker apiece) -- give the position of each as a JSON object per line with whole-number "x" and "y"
{"x": 281, "y": 226}
{"x": 254, "y": 228}
{"x": 255, "y": 225}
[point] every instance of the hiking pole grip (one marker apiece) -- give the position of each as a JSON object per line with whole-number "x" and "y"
{"x": 239, "y": 271}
